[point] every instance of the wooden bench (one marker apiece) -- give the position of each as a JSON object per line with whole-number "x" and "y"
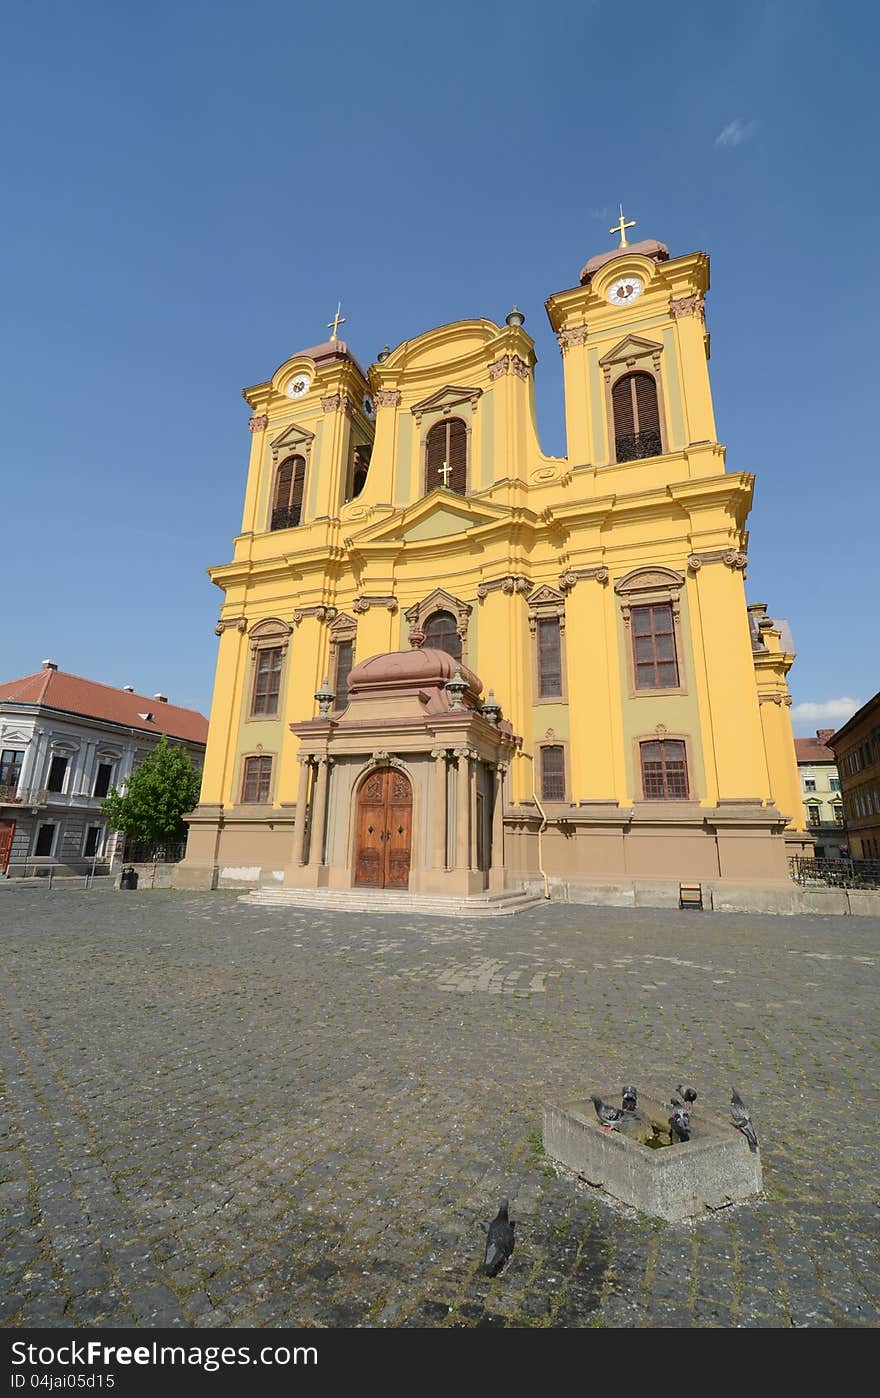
{"x": 690, "y": 895}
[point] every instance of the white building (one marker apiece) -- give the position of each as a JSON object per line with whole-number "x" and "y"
{"x": 820, "y": 789}
{"x": 64, "y": 743}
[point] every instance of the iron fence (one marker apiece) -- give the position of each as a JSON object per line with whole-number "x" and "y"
{"x": 170, "y": 853}
{"x": 836, "y": 873}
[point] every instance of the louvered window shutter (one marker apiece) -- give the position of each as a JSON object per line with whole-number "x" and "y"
{"x": 344, "y": 657}
{"x": 457, "y": 457}
{"x": 549, "y": 658}
{"x": 296, "y": 489}
{"x": 435, "y": 456}
{"x": 621, "y": 398}
{"x": 647, "y": 414}
{"x": 552, "y": 774}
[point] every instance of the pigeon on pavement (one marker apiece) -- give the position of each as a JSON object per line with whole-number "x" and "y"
{"x": 630, "y": 1097}
{"x": 610, "y": 1117}
{"x": 499, "y": 1241}
{"x": 687, "y": 1092}
{"x": 742, "y": 1121}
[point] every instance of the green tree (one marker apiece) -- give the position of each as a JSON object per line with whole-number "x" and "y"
{"x": 160, "y": 792}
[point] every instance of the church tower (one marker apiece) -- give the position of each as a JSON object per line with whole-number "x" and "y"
{"x": 407, "y": 547}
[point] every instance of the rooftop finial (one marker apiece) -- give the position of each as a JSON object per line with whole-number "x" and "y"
{"x": 620, "y": 227}
{"x": 335, "y": 323}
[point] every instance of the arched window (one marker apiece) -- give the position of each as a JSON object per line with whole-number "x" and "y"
{"x": 446, "y": 456}
{"x": 288, "y": 498}
{"x": 441, "y": 633}
{"x": 636, "y": 417}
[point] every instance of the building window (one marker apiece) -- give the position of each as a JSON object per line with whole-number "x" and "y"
{"x": 809, "y": 783}
{"x": 654, "y": 660}
{"x": 664, "y": 770}
{"x": 446, "y": 456}
{"x": 838, "y": 815}
{"x": 45, "y": 839}
{"x": 267, "y": 681}
{"x": 441, "y": 633}
{"x": 549, "y": 659}
{"x": 10, "y": 768}
{"x": 834, "y": 783}
{"x": 102, "y": 779}
{"x": 344, "y": 658}
{"x": 360, "y": 465}
{"x": 57, "y": 771}
{"x": 92, "y": 845}
{"x": 289, "y": 488}
{"x": 636, "y": 417}
{"x": 812, "y": 815}
{"x": 257, "y": 779}
{"x": 552, "y": 773}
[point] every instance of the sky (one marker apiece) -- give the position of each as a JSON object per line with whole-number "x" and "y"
{"x": 190, "y": 188}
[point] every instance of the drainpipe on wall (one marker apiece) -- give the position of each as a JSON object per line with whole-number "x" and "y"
{"x": 542, "y": 827}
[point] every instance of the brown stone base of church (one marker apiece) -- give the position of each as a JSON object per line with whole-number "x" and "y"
{"x": 577, "y": 852}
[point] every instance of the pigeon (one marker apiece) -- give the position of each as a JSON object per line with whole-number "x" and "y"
{"x": 741, "y": 1119}
{"x": 629, "y": 1099}
{"x": 687, "y": 1092}
{"x": 499, "y": 1242}
{"x": 680, "y": 1121}
{"x": 610, "y": 1117}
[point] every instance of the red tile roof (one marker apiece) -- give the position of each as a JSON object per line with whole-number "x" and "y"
{"x": 813, "y": 749}
{"x": 58, "y": 690}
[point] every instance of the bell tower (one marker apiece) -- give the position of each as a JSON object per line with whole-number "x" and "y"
{"x": 635, "y": 358}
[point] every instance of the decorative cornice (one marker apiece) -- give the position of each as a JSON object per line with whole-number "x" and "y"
{"x": 733, "y": 558}
{"x": 387, "y": 397}
{"x": 688, "y": 306}
{"x": 577, "y": 335}
{"x": 239, "y": 622}
{"x": 322, "y": 613}
{"x": 363, "y": 604}
{"x": 259, "y": 423}
{"x": 510, "y": 583}
{"x": 572, "y": 576}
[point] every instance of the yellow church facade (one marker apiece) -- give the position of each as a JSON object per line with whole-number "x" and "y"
{"x": 406, "y": 548}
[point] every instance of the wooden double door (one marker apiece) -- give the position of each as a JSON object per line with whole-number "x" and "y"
{"x": 383, "y": 838}
{"x": 7, "y": 830}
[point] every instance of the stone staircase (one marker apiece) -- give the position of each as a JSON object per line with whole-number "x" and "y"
{"x": 360, "y": 900}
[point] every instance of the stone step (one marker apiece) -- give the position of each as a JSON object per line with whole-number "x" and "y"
{"x": 385, "y": 901}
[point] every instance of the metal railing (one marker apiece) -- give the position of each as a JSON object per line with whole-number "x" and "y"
{"x": 836, "y": 873}
{"x": 632, "y": 446}
{"x": 170, "y": 853}
{"x": 69, "y": 872}
{"x": 27, "y": 796}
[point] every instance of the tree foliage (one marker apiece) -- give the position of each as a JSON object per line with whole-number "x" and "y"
{"x": 160, "y": 792}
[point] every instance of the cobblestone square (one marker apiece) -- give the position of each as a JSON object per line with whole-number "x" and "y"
{"x": 222, "y": 1115}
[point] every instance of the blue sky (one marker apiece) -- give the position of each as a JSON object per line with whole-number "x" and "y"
{"x": 190, "y": 187}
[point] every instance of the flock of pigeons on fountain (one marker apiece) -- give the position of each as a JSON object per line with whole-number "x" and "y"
{"x": 612, "y": 1118}
{"x": 500, "y": 1237}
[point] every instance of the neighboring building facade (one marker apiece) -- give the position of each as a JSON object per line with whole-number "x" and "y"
{"x": 857, "y": 749}
{"x": 64, "y": 743}
{"x": 823, "y": 802}
{"x": 646, "y": 732}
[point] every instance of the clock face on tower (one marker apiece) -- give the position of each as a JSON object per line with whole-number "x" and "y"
{"x": 299, "y": 386}
{"x": 624, "y": 290}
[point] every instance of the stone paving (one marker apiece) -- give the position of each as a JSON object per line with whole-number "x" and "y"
{"x": 222, "y": 1115}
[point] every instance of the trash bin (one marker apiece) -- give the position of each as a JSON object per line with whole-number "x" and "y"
{"x": 129, "y": 878}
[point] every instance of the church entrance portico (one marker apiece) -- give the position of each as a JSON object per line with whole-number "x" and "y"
{"x": 383, "y": 830}
{"x": 404, "y": 789}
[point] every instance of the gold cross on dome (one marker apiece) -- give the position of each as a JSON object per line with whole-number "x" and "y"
{"x": 335, "y": 323}
{"x": 620, "y": 227}
{"x": 445, "y": 471}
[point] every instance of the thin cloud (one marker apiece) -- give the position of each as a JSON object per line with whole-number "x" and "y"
{"x": 735, "y": 132}
{"x": 830, "y": 712}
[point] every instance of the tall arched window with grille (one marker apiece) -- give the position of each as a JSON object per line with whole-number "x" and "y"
{"x": 287, "y": 500}
{"x": 636, "y": 417}
{"x": 441, "y": 633}
{"x": 446, "y": 456}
